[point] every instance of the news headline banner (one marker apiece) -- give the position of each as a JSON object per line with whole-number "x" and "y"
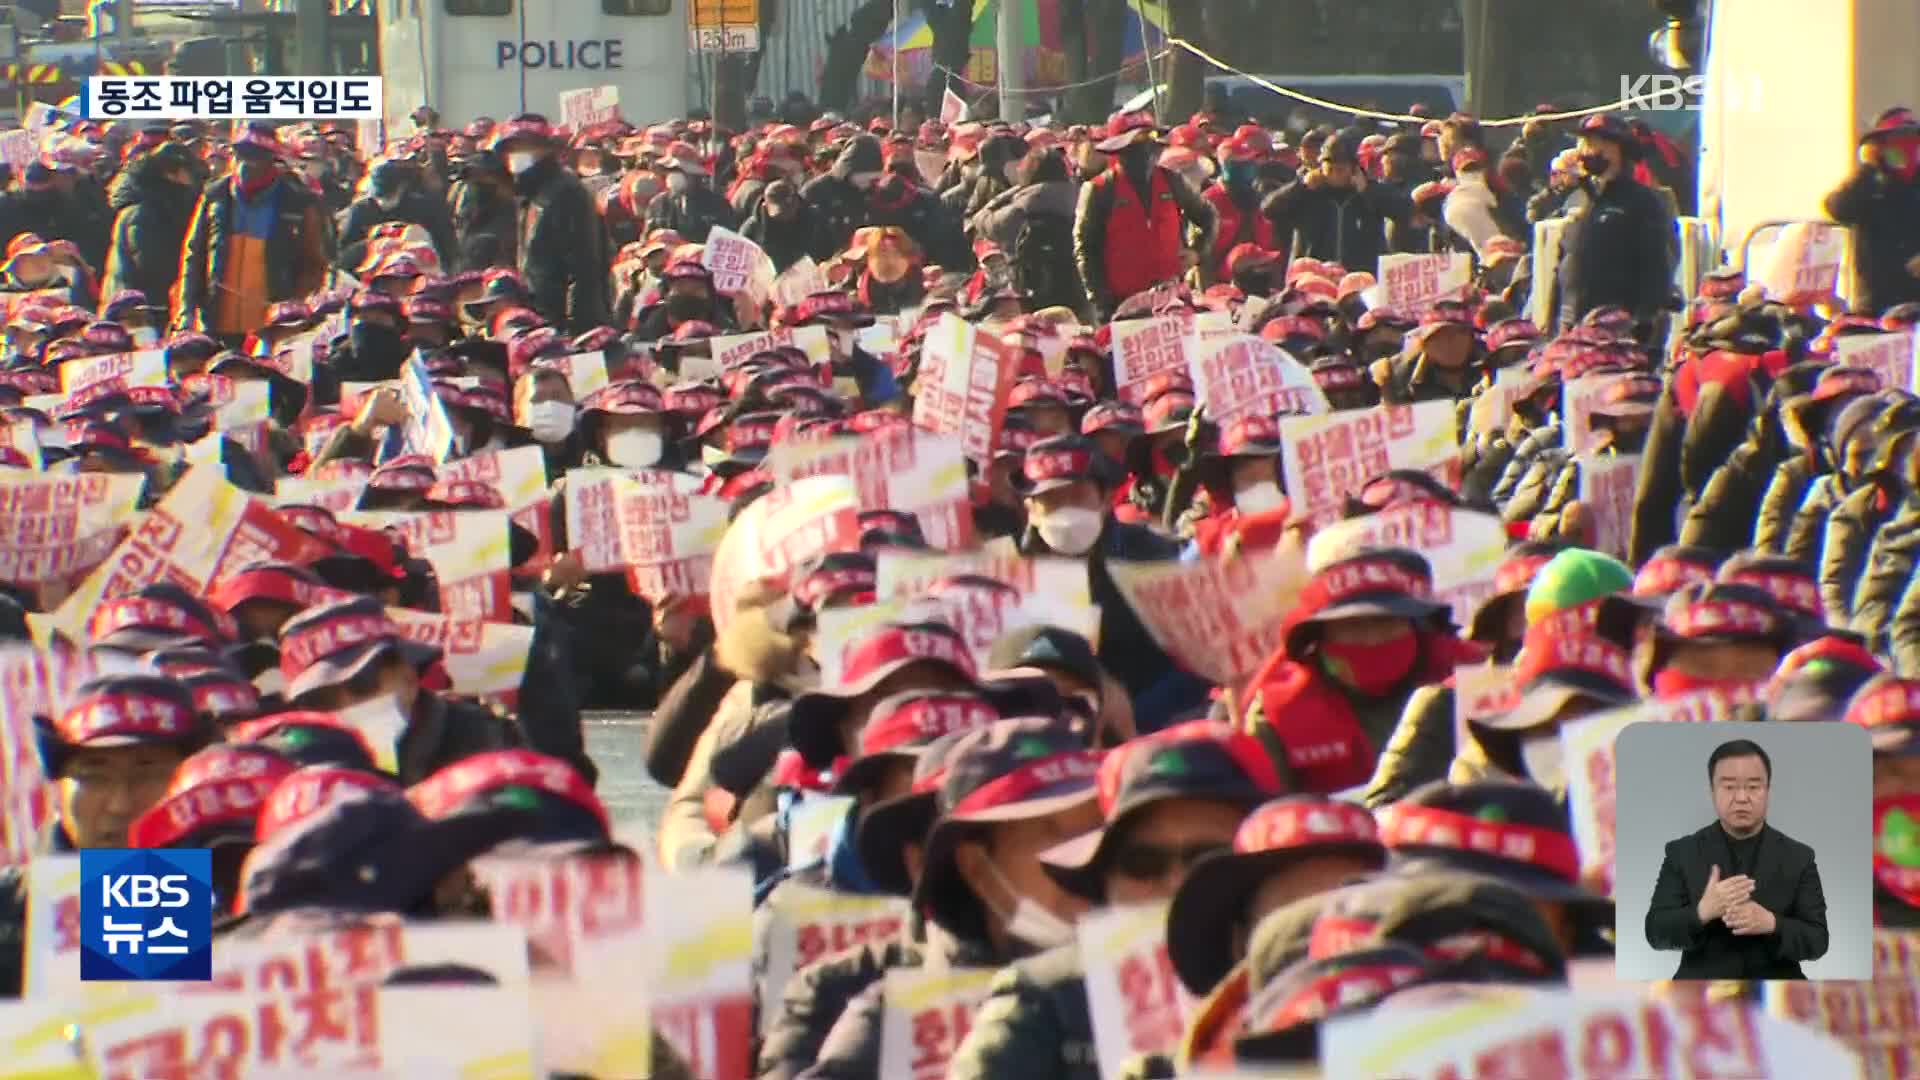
{"x": 179, "y": 97}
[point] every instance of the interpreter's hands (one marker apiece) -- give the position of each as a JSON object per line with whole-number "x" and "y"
{"x": 1722, "y": 895}
{"x": 383, "y": 408}
{"x": 1748, "y": 919}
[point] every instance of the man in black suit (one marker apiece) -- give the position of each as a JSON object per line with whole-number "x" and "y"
{"x": 1741, "y": 899}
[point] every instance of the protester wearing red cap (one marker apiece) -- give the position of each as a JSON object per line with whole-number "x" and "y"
{"x": 1128, "y": 227}
{"x": 1880, "y": 201}
{"x": 256, "y": 238}
{"x": 1010, "y": 790}
{"x": 1170, "y": 800}
{"x": 1366, "y": 632}
{"x": 562, "y": 253}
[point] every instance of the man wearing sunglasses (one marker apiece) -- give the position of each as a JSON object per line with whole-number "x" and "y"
{"x": 1169, "y": 800}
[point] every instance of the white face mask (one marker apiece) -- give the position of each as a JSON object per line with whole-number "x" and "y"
{"x": 521, "y": 160}
{"x": 1262, "y": 496}
{"x": 1070, "y": 530}
{"x": 1030, "y": 923}
{"x": 712, "y": 455}
{"x": 635, "y": 448}
{"x": 380, "y": 721}
{"x": 550, "y": 421}
{"x": 677, "y": 182}
{"x": 145, "y": 337}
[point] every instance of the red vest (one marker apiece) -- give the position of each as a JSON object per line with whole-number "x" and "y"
{"x": 1142, "y": 245}
{"x": 1325, "y": 747}
{"x": 1227, "y": 231}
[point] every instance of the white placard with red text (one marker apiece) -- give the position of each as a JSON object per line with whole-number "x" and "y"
{"x": 928, "y": 1012}
{"x": 906, "y": 469}
{"x": 908, "y": 573}
{"x": 1606, "y": 490}
{"x": 1409, "y": 284}
{"x": 204, "y": 529}
{"x": 1134, "y": 999}
{"x": 1218, "y": 618}
{"x": 1327, "y": 458}
{"x": 732, "y": 350}
{"x": 739, "y": 265}
{"x": 1875, "y": 1018}
{"x": 965, "y": 376}
{"x": 1579, "y": 398}
{"x": 470, "y": 550}
{"x": 581, "y": 109}
{"x": 54, "y": 527}
{"x": 85, "y": 380}
{"x": 1803, "y": 266}
{"x": 1143, "y": 348}
{"x": 654, "y": 525}
{"x": 1464, "y": 548}
{"x": 1890, "y": 356}
{"x": 981, "y": 617}
{"x": 1562, "y": 1035}
{"x": 804, "y": 923}
{"x": 1240, "y": 374}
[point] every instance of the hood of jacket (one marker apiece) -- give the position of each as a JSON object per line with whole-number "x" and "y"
{"x": 862, "y": 155}
{"x": 1047, "y": 197}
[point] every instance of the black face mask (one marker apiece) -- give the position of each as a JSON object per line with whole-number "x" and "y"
{"x": 376, "y": 344}
{"x": 686, "y": 308}
{"x": 1137, "y": 155}
{"x": 1594, "y": 164}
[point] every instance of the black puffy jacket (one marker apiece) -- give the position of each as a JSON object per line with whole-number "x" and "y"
{"x": 149, "y": 231}
{"x": 1884, "y": 213}
{"x": 693, "y": 213}
{"x": 563, "y": 248}
{"x": 415, "y": 208}
{"x": 1843, "y": 557}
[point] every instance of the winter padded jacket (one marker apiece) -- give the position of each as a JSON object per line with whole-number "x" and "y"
{"x": 1034, "y": 1025}
{"x": 152, "y": 215}
{"x": 693, "y": 213}
{"x": 415, "y": 208}
{"x": 1884, "y": 213}
{"x": 563, "y": 248}
{"x": 1337, "y": 224}
{"x": 1843, "y": 556}
{"x": 1617, "y": 250}
{"x": 294, "y": 266}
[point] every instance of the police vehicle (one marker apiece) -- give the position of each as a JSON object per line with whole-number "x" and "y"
{"x": 472, "y": 58}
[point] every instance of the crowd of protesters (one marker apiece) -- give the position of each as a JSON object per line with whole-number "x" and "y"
{"x": 1300, "y": 826}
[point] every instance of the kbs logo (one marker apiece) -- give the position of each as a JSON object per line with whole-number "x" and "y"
{"x": 1683, "y": 93}
{"x": 146, "y": 915}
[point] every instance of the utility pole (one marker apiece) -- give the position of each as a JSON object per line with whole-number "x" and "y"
{"x": 310, "y": 36}
{"x": 1012, "y": 61}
